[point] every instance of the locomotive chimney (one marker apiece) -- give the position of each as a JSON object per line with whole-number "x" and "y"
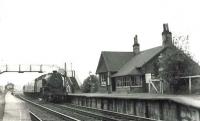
{"x": 54, "y": 71}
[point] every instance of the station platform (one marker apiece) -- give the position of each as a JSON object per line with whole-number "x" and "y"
{"x": 189, "y": 100}
{"x": 15, "y": 109}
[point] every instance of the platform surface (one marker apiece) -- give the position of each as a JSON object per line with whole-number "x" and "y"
{"x": 15, "y": 109}
{"x": 1, "y": 106}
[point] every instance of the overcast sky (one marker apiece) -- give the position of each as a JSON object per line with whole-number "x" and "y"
{"x": 76, "y": 31}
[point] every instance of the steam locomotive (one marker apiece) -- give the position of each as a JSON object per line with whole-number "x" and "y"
{"x": 51, "y": 87}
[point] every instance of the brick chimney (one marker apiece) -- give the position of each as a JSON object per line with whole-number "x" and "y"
{"x": 166, "y": 36}
{"x": 136, "y": 46}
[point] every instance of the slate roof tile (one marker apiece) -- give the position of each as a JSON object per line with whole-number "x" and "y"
{"x": 115, "y": 60}
{"x": 126, "y": 63}
{"x": 137, "y": 61}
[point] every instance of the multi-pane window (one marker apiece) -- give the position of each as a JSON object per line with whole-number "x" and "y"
{"x": 123, "y": 81}
{"x": 129, "y": 81}
{"x": 103, "y": 79}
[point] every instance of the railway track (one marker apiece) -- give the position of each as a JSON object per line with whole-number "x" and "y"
{"x": 97, "y": 116}
{"x": 34, "y": 117}
{"x": 88, "y": 114}
{"x": 44, "y": 112}
{"x": 111, "y": 114}
{"x": 63, "y": 111}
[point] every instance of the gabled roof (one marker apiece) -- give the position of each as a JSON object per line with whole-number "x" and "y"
{"x": 74, "y": 83}
{"x": 113, "y": 61}
{"x": 137, "y": 61}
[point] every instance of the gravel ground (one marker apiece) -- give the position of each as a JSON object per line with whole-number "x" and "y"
{"x": 2, "y": 105}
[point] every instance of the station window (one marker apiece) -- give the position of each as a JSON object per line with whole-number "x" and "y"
{"x": 103, "y": 79}
{"x": 136, "y": 80}
{"x": 129, "y": 81}
{"x": 123, "y": 81}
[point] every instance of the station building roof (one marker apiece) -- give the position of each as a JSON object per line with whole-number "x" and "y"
{"x": 126, "y": 63}
{"x": 137, "y": 61}
{"x": 113, "y": 61}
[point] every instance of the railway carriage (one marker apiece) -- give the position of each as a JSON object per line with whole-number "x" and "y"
{"x": 28, "y": 89}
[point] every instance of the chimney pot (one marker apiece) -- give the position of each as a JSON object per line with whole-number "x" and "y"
{"x": 136, "y": 46}
{"x": 166, "y": 36}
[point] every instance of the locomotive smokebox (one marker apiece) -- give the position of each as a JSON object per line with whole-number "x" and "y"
{"x": 54, "y": 71}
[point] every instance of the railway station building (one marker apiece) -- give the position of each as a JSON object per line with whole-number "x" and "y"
{"x": 129, "y": 72}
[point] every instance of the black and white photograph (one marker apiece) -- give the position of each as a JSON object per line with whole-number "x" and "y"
{"x": 99, "y": 60}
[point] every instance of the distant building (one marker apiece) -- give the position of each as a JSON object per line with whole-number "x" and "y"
{"x": 127, "y": 72}
{"x": 9, "y": 87}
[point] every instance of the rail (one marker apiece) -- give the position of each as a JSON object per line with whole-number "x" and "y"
{"x": 93, "y": 111}
{"x": 65, "y": 117}
{"x": 91, "y": 114}
{"x": 34, "y": 117}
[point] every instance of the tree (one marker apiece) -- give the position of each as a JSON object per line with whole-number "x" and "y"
{"x": 177, "y": 62}
{"x": 90, "y": 84}
{"x": 175, "y": 65}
